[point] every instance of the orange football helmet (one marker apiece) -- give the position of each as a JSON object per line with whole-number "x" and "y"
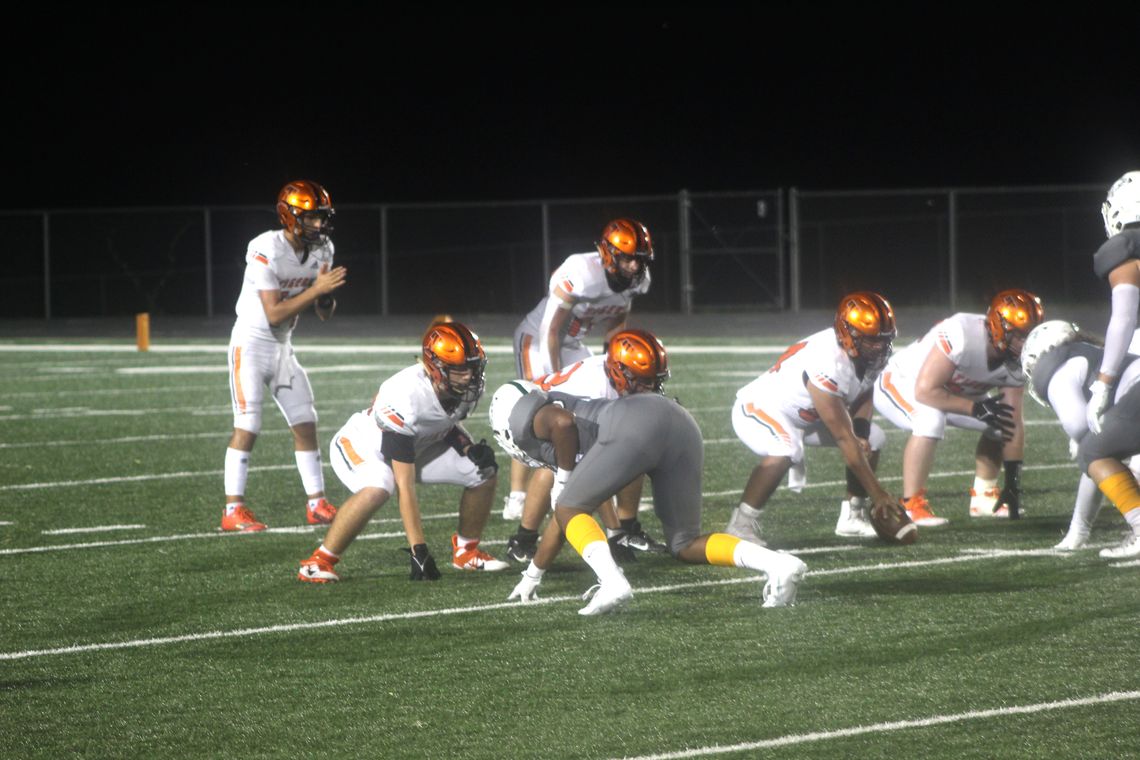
{"x": 299, "y": 205}
{"x": 636, "y": 362}
{"x": 625, "y": 237}
{"x": 865, "y": 328}
{"x": 1013, "y": 313}
{"x": 450, "y": 348}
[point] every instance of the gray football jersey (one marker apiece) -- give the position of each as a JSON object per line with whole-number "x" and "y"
{"x": 586, "y": 414}
{"x": 1115, "y": 251}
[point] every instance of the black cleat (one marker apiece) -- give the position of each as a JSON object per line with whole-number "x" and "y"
{"x": 521, "y": 548}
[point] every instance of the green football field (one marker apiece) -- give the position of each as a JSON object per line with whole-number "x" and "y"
{"x": 132, "y": 628}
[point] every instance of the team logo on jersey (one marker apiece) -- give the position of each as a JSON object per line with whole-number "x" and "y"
{"x": 944, "y": 343}
{"x": 392, "y": 416}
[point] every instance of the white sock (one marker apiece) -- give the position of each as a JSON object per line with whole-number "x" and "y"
{"x": 597, "y": 555}
{"x": 1086, "y": 507}
{"x": 237, "y": 471}
{"x": 981, "y": 485}
{"x": 858, "y": 502}
{"x": 461, "y": 542}
{"x": 309, "y": 465}
{"x": 755, "y": 557}
{"x": 1133, "y": 518}
{"x": 750, "y": 512}
{"x": 518, "y": 495}
{"x": 334, "y": 555}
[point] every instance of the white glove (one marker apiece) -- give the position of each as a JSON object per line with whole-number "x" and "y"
{"x": 527, "y": 589}
{"x": 1098, "y": 403}
{"x": 560, "y": 478}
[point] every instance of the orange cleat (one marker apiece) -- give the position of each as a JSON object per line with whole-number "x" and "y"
{"x": 318, "y": 568}
{"x": 240, "y": 520}
{"x": 322, "y": 514}
{"x": 471, "y": 557}
{"x": 919, "y": 510}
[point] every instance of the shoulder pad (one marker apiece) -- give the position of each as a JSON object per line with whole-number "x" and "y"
{"x": 1114, "y": 252}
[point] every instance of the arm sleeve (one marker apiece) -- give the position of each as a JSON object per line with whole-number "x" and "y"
{"x": 1121, "y": 325}
{"x": 398, "y": 448}
{"x": 1066, "y": 396}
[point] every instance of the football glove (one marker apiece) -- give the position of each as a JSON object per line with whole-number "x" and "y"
{"x": 1098, "y": 403}
{"x": 527, "y": 589}
{"x": 484, "y": 458}
{"x": 423, "y": 564}
{"x": 560, "y": 478}
{"x": 996, "y": 414}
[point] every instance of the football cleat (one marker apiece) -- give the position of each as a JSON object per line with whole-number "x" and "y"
{"x": 471, "y": 557}
{"x": 513, "y": 506}
{"x": 240, "y": 520}
{"x": 982, "y": 505}
{"x": 919, "y": 510}
{"x": 318, "y": 568}
{"x": 744, "y": 527}
{"x": 783, "y": 583}
{"x": 604, "y": 597}
{"x": 521, "y": 548}
{"x": 1129, "y": 548}
{"x": 638, "y": 540}
{"x": 322, "y": 514}
{"x": 854, "y": 520}
{"x": 1072, "y": 541}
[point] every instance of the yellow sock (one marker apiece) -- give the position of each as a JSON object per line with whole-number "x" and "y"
{"x": 720, "y": 549}
{"x": 1122, "y": 490}
{"x": 583, "y": 530}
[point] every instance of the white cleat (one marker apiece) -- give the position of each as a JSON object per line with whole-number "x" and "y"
{"x": 1130, "y": 548}
{"x": 744, "y": 527}
{"x": 1072, "y": 542}
{"x": 780, "y": 590}
{"x": 607, "y": 596}
{"x": 513, "y": 507}
{"x": 854, "y": 521}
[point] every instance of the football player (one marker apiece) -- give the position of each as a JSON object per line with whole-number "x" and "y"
{"x": 286, "y": 271}
{"x": 946, "y": 379}
{"x": 634, "y": 362}
{"x": 1118, "y": 262}
{"x": 411, "y": 433}
{"x": 1059, "y": 363}
{"x": 818, "y": 393}
{"x": 596, "y": 447}
{"x": 589, "y": 291}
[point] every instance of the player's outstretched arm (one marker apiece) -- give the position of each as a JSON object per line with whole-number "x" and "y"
{"x": 279, "y": 309}
{"x": 835, "y": 416}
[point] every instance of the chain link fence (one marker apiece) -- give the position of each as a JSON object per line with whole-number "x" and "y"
{"x": 759, "y": 250}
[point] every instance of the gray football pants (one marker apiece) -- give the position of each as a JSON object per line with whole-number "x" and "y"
{"x": 646, "y": 433}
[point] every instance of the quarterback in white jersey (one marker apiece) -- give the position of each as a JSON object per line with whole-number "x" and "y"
{"x": 634, "y": 362}
{"x": 589, "y": 292}
{"x": 946, "y": 378}
{"x": 819, "y": 394}
{"x": 411, "y": 433}
{"x": 286, "y": 271}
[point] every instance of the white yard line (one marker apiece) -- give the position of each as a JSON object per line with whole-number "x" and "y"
{"x": 470, "y": 609}
{"x": 93, "y": 529}
{"x": 363, "y": 348}
{"x": 897, "y": 725}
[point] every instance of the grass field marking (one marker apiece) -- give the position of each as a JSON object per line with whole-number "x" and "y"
{"x": 92, "y": 529}
{"x": 194, "y": 369}
{"x": 416, "y": 614}
{"x": 897, "y": 725}
{"x": 221, "y": 347}
{"x": 220, "y": 435}
{"x": 1130, "y": 563}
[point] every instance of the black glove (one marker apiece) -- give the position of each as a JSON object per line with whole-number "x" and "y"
{"x": 1011, "y": 494}
{"x": 484, "y": 458}
{"x": 423, "y": 564}
{"x": 996, "y": 414}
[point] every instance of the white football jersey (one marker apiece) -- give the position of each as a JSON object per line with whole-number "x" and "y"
{"x": 962, "y": 339}
{"x": 585, "y": 379}
{"x": 584, "y": 279}
{"x": 407, "y": 404}
{"x": 817, "y": 359}
{"x": 272, "y": 264}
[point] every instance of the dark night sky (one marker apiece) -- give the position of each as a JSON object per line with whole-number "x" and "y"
{"x": 223, "y": 107}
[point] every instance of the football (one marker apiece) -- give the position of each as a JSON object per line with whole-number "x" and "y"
{"x": 894, "y": 525}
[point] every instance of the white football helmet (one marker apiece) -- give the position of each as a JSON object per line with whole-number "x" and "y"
{"x": 1122, "y": 206}
{"x": 502, "y": 404}
{"x": 1043, "y": 339}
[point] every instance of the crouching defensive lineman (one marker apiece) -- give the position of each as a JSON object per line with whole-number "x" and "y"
{"x": 1061, "y": 364}
{"x": 598, "y": 446}
{"x": 412, "y": 432}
